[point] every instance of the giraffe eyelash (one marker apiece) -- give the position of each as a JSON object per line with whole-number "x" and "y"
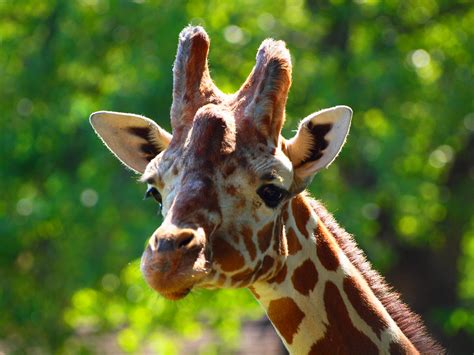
{"x": 153, "y": 192}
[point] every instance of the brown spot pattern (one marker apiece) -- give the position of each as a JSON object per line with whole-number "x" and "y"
{"x": 233, "y": 234}
{"x": 401, "y": 349}
{"x": 254, "y": 292}
{"x": 396, "y": 349}
{"x": 174, "y": 170}
{"x": 293, "y": 243}
{"x": 189, "y": 200}
{"x": 242, "y": 276}
{"x": 301, "y": 214}
{"x": 249, "y": 244}
{"x": 221, "y": 280}
{"x": 231, "y": 190}
{"x": 305, "y": 277}
{"x": 159, "y": 183}
{"x": 286, "y": 316}
{"x": 364, "y": 307}
{"x": 326, "y": 248}
{"x": 229, "y": 170}
{"x": 265, "y": 237}
{"x": 258, "y": 265}
{"x": 409, "y": 323}
{"x": 210, "y": 136}
{"x": 240, "y": 204}
{"x": 280, "y": 276}
{"x": 228, "y": 258}
{"x": 341, "y": 336}
{"x": 268, "y": 262}
{"x": 284, "y": 215}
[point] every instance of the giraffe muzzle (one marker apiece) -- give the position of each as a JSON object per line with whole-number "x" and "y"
{"x": 174, "y": 261}
{"x": 182, "y": 241}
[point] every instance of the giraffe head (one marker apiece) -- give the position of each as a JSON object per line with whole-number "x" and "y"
{"x": 225, "y": 174}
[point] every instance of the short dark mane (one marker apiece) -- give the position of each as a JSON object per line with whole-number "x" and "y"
{"x": 409, "y": 323}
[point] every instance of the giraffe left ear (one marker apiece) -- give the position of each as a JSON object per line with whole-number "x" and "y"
{"x": 319, "y": 140}
{"x": 135, "y": 140}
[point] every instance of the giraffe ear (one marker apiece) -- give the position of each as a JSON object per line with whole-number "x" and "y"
{"x": 135, "y": 140}
{"x": 319, "y": 140}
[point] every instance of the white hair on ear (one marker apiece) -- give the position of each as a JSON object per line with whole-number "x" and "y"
{"x": 135, "y": 140}
{"x": 319, "y": 140}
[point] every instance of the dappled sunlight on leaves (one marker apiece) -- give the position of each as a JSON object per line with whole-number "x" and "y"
{"x": 72, "y": 218}
{"x": 127, "y": 303}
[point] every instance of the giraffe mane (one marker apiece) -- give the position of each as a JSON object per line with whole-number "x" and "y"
{"x": 409, "y": 323}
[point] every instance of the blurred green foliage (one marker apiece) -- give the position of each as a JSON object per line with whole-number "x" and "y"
{"x": 72, "y": 219}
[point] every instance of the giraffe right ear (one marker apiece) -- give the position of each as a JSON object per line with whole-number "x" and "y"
{"x": 135, "y": 140}
{"x": 319, "y": 140}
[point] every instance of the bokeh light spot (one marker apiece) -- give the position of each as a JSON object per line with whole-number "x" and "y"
{"x": 469, "y": 121}
{"x": 233, "y": 34}
{"x": 24, "y": 207}
{"x": 89, "y": 197}
{"x": 408, "y": 225}
{"x": 135, "y": 293}
{"x": 25, "y": 261}
{"x": 110, "y": 282}
{"x": 128, "y": 340}
{"x": 266, "y": 21}
{"x": 441, "y": 156}
{"x": 420, "y": 58}
{"x": 24, "y": 107}
{"x": 371, "y": 211}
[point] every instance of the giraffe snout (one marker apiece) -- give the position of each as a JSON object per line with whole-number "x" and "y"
{"x": 170, "y": 243}
{"x": 174, "y": 261}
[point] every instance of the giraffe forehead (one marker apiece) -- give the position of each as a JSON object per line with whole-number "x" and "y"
{"x": 212, "y": 134}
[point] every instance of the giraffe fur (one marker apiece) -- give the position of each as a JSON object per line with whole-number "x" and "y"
{"x": 235, "y": 213}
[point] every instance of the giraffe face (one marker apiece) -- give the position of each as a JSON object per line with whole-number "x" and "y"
{"x": 222, "y": 187}
{"x": 225, "y": 174}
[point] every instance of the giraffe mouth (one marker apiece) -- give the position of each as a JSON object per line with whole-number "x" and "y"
{"x": 174, "y": 274}
{"x": 171, "y": 287}
{"x": 176, "y": 295}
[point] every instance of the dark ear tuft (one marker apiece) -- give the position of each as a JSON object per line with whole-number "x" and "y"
{"x": 135, "y": 140}
{"x": 320, "y": 143}
{"x": 150, "y": 148}
{"x": 149, "y": 151}
{"x": 142, "y": 132}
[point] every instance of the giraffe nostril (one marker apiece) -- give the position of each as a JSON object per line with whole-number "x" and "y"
{"x": 153, "y": 243}
{"x": 165, "y": 245}
{"x": 184, "y": 240}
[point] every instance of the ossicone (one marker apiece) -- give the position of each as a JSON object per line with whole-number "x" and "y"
{"x": 192, "y": 83}
{"x": 266, "y": 88}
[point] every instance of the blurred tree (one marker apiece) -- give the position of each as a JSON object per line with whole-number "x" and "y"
{"x": 71, "y": 218}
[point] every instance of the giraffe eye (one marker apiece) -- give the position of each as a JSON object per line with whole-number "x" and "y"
{"x": 271, "y": 194}
{"x": 153, "y": 192}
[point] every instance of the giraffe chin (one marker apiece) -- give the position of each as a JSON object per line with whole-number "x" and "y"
{"x": 171, "y": 289}
{"x": 173, "y": 273}
{"x": 173, "y": 278}
{"x": 177, "y": 295}
{"x": 172, "y": 286}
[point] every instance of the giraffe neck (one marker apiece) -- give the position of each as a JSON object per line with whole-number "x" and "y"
{"x": 320, "y": 302}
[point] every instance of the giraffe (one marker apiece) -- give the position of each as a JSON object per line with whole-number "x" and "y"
{"x": 236, "y": 214}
